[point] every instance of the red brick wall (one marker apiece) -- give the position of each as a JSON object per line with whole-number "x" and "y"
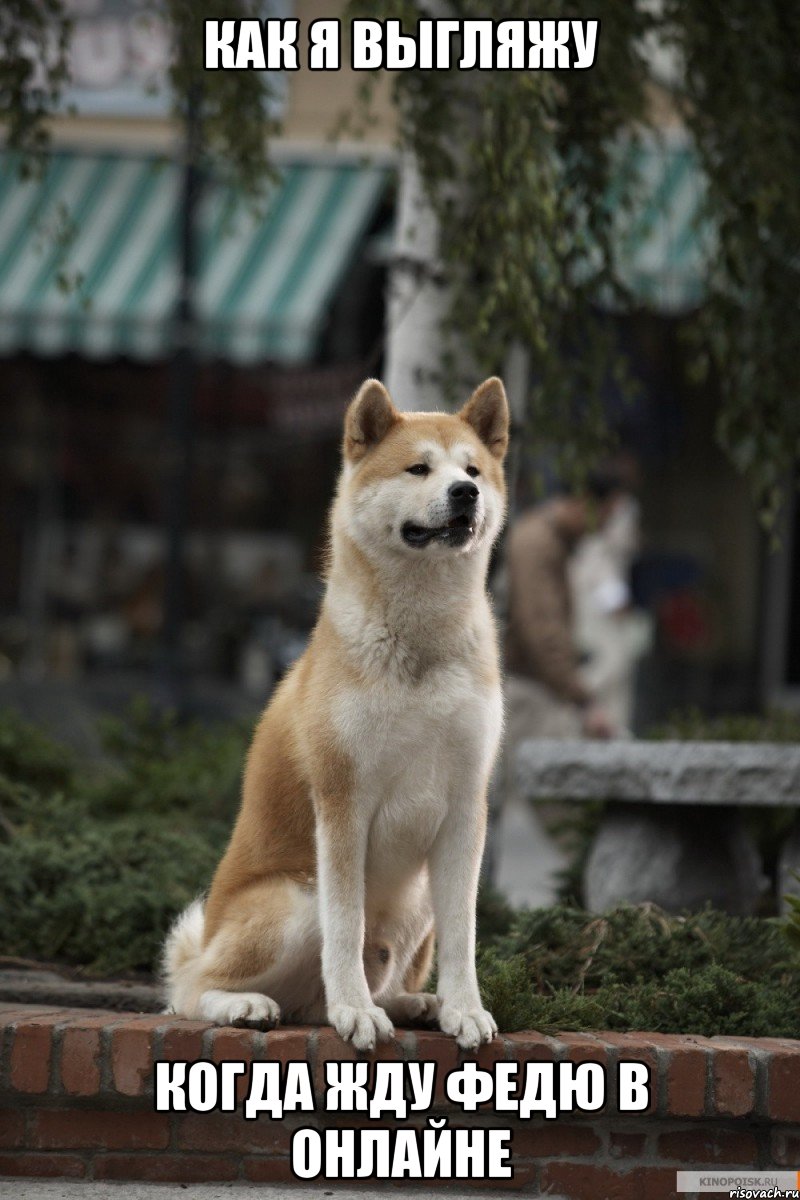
{"x": 76, "y": 1099}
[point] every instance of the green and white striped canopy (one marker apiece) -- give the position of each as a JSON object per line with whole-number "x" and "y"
{"x": 88, "y": 257}
{"x": 88, "y": 252}
{"x": 662, "y": 243}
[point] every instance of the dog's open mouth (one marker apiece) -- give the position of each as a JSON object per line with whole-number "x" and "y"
{"x": 456, "y": 532}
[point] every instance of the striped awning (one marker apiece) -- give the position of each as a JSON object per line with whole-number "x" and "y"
{"x": 89, "y": 257}
{"x": 662, "y": 243}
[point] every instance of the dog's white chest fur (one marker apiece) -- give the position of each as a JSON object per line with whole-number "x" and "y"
{"x": 414, "y": 748}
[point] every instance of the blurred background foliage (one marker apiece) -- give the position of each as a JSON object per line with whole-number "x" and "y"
{"x": 523, "y": 171}
{"x": 519, "y": 167}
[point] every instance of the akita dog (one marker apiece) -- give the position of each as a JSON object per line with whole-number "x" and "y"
{"x": 364, "y": 799}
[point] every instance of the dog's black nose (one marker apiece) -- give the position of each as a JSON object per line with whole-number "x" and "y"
{"x": 462, "y": 494}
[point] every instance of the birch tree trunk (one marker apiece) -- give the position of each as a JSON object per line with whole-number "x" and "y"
{"x": 417, "y": 300}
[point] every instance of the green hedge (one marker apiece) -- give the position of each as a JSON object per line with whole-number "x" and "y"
{"x": 96, "y": 859}
{"x": 637, "y": 968}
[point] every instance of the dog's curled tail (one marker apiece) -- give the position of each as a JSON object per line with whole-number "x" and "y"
{"x": 182, "y": 950}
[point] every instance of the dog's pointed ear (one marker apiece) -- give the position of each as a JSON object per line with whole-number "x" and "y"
{"x": 369, "y": 418}
{"x": 487, "y": 412}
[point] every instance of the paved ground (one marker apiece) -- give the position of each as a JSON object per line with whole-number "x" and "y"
{"x": 35, "y": 1189}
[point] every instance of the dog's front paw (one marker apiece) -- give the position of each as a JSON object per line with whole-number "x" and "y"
{"x": 468, "y": 1025}
{"x": 413, "y": 1006}
{"x": 361, "y": 1026}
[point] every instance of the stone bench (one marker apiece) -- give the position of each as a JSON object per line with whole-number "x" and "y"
{"x": 672, "y": 832}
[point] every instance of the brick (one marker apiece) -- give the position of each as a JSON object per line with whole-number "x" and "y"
{"x": 330, "y": 1048}
{"x": 73, "y": 1129}
{"x": 784, "y": 1084}
{"x": 166, "y": 1168}
{"x": 12, "y": 1128}
{"x": 554, "y": 1140}
{"x": 685, "y": 1073}
{"x": 687, "y": 1070}
{"x": 486, "y": 1058}
{"x": 292, "y": 1045}
{"x": 785, "y": 1147}
{"x": 709, "y": 1147}
{"x": 531, "y": 1047}
{"x": 582, "y": 1047}
{"x": 636, "y": 1047}
{"x": 42, "y": 1166}
{"x": 32, "y": 1053}
{"x": 658, "y": 1183}
{"x": 524, "y": 1048}
{"x": 490, "y": 1053}
{"x": 435, "y": 1047}
{"x": 183, "y": 1041}
{"x": 132, "y": 1055}
{"x": 394, "y": 1050}
{"x": 626, "y": 1145}
{"x": 734, "y": 1083}
{"x": 236, "y": 1045}
{"x": 81, "y": 1061}
{"x": 223, "y": 1132}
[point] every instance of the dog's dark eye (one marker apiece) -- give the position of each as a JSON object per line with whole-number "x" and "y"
{"x": 472, "y": 471}
{"x": 419, "y": 469}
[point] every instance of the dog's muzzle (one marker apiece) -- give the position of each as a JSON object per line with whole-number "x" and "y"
{"x": 462, "y": 498}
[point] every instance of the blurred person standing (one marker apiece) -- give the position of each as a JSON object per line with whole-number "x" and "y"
{"x": 547, "y": 695}
{"x": 612, "y": 635}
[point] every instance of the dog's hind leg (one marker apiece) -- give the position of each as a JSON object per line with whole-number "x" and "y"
{"x": 251, "y": 1009}
{"x": 419, "y": 968}
{"x": 262, "y": 958}
{"x": 411, "y": 1004}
